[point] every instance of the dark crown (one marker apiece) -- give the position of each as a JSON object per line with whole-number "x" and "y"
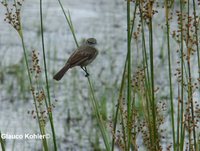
{"x": 91, "y": 41}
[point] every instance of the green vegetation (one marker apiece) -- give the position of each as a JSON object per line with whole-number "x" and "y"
{"x": 134, "y": 117}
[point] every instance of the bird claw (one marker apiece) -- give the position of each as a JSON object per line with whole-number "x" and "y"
{"x": 86, "y": 73}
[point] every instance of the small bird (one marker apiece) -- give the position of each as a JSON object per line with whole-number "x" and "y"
{"x": 82, "y": 56}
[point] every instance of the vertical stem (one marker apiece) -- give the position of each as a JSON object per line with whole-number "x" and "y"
{"x": 118, "y": 104}
{"x": 129, "y": 76}
{"x": 189, "y": 74}
{"x": 25, "y": 56}
{"x": 182, "y": 82}
{"x": 153, "y": 103}
{"x": 170, "y": 75}
{"x": 2, "y": 143}
{"x": 68, "y": 19}
{"x": 147, "y": 77}
{"x": 196, "y": 34}
{"x": 31, "y": 85}
{"x": 99, "y": 118}
{"x": 123, "y": 79}
{"x": 190, "y": 90}
{"x": 198, "y": 58}
{"x": 94, "y": 101}
{"x": 178, "y": 119}
{"x": 133, "y": 21}
{"x": 46, "y": 78}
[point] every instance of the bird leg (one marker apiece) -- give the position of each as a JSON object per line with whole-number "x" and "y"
{"x": 86, "y": 72}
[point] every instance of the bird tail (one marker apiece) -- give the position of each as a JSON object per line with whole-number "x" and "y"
{"x": 61, "y": 73}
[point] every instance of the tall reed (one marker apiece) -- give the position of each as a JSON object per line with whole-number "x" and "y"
{"x": 2, "y": 143}
{"x": 95, "y": 104}
{"x": 48, "y": 104}
{"x": 125, "y": 135}
{"x": 140, "y": 113}
{"x": 13, "y": 17}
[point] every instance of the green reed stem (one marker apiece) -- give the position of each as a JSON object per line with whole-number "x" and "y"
{"x": 189, "y": 95}
{"x": 170, "y": 74}
{"x": 153, "y": 101}
{"x": 119, "y": 103}
{"x": 31, "y": 85}
{"x": 122, "y": 84}
{"x": 25, "y": 56}
{"x": 197, "y": 48}
{"x": 46, "y": 78}
{"x": 129, "y": 98}
{"x": 94, "y": 100}
{"x": 2, "y": 143}
{"x": 182, "y": 129}
{"x": 196, "y": 34}
{"x": 68, "y": 19}
{"x": 190, "y": 90}
{"x": 197, "y": 144}
{"x": 41, "y": 124}
{"x": 133, "y": 20}
{"x": 147, "y": 76}
{"x": 178, "y": 120}
{"x": 99, "y": 117}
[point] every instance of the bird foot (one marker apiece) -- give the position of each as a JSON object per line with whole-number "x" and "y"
{"x": 86, "y": 73}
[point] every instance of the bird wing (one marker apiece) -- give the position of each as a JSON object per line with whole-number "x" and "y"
{"x": 82, "y": 54}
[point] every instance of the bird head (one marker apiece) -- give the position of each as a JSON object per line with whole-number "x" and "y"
{"x": 91, "y": 41}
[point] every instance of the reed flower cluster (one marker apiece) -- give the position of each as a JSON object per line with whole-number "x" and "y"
{"x": 12, "y": 15}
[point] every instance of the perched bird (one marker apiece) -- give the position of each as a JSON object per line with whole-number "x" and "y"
{"x": 82, "y": 56}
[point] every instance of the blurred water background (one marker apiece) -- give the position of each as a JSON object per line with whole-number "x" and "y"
{"x": 76, "y": 127}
